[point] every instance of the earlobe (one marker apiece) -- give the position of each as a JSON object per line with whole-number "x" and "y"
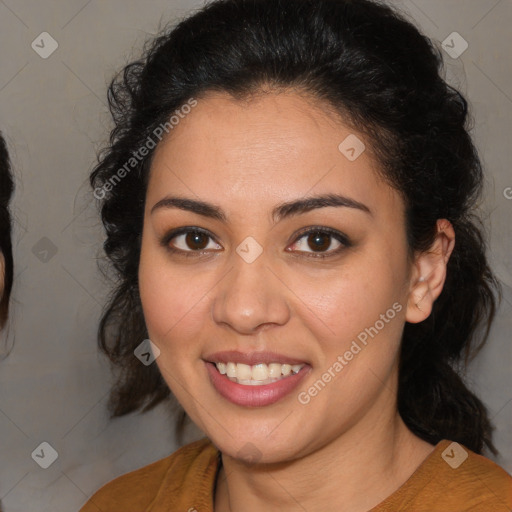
{"x": 427, "y": 280}
{"x": 419, "y": 303}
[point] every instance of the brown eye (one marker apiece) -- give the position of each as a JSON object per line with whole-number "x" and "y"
{"x": 190, "y": 241}
{"x": 196, "y": 240}
{"x": 319, "y": 241}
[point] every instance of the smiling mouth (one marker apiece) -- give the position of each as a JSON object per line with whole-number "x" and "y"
{"x": 257, "y": 374}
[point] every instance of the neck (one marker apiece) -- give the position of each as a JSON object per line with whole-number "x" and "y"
{"x": 353, "y": 472}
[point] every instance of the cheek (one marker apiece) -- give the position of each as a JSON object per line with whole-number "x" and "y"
{"x": 174, "y": 302}
{"x": 353, "y": 298}
{"x": 362, "y": 318}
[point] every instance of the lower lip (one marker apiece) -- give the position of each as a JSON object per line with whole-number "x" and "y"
{"x": 254, "y": 396}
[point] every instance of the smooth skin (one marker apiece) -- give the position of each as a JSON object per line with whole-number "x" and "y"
{"x": 347, "y": 449}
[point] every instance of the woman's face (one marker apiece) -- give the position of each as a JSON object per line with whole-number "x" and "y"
{"x": 249, "y": 285}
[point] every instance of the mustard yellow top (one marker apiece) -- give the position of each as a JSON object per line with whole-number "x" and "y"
{"x": 451, "y": 479}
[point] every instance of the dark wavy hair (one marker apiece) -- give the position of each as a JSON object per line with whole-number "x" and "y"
{"x": 368, "y": 62}
{"x": 6, "y": 190}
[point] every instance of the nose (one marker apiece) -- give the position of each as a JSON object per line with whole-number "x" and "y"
{"x": 250, "y": 298}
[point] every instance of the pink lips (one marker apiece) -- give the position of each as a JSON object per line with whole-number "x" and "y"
{"x": 253, "y": 396}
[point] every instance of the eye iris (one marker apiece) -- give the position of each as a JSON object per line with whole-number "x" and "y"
{"x": 196, "y": 240}
{"x": 319, "y": 241}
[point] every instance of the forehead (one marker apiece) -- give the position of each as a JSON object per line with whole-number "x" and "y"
{"x": 272, "y": 147}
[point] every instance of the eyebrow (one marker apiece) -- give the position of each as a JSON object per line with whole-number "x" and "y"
{"x": 284, "y": 210}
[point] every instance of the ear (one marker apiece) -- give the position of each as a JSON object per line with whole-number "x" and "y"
{"x": 429, "y": 274}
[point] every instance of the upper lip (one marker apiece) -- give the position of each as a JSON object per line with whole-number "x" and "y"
{"x": 251, "y": 358}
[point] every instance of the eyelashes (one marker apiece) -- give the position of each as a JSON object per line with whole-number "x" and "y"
{"x": 193, "y": 241}
{"x": 193, "y": 235}
{"x": 318, "y": 236}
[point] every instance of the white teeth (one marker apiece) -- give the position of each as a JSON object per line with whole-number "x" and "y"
{"x": 254, "y": 382}
{"x": 274, "y": 370}
{"x": 243, "y": 371}
{"x": 257, "y": 374}
{"x": 286, "y": 369}
{"x": 231, "y": 370}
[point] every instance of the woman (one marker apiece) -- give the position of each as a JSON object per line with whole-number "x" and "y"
{"x": 288, "y": 199}
{"x": 6, "y": 262}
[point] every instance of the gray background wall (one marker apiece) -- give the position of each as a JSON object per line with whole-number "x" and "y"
{"x": 53, "y": 384}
